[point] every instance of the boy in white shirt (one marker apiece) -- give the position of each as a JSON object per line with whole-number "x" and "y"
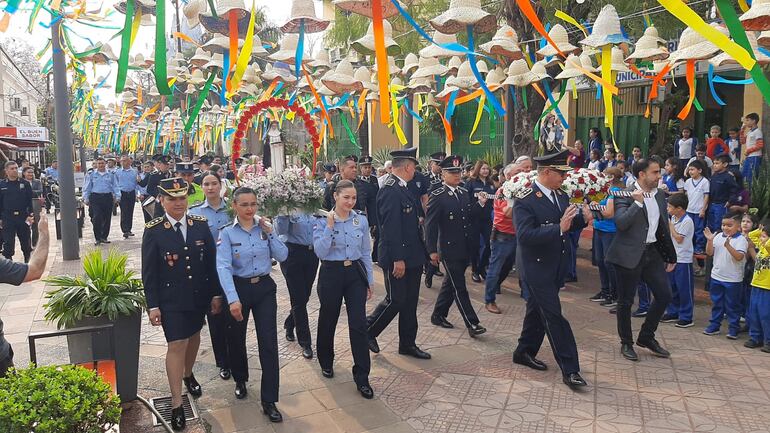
{"x": 681, "y": 278}
{"x": 754, "y": 144}
{"x": 697, "y": 188}
{"x": 729, "y": 250}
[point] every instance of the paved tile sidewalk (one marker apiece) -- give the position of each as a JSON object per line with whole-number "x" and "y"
{"x": 471, "y": 385}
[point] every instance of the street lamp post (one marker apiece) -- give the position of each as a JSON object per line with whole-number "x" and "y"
{"x": 67, "y": 204}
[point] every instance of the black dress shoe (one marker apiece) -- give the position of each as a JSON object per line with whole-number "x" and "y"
{"x": 224, "y": 373}
{"x": 307, "y": 352}
{"x": 530, "y": 361}
{"x": 97, "y": 243}
{"x": 627, "y": 350}
{"x": 574, "y": 381}
{"x": 438, "y": 273}
{"x": 125, "y": 235}
{"x": 327, "y": 372}
{"x": 366, "y": 391}
{"x": 441, "y": 321}
{"x": 373, "y": 346}
{"x": 178, "y": 421}
{"x": 130, "y": 234}
{"x": 105, "y": 241}
{"x": 290, "y": 335}
{"x": 193, "y": 387}
{"x": 240, "y": 390}
{"x": 654, "y": 347}
{"x": 475, "y": 330}
{"x": 428, "y": 281}
{"x": 271, "y": 411}
{"x": 476, "y": 278}
{"x": 570, "y": 280}
{"x": 415, "y": 352}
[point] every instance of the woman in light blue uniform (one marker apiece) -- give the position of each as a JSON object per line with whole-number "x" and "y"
{"x": 343, "y": 244}
{"x": 244, "y": 260}
{"x": 214, "y": 209}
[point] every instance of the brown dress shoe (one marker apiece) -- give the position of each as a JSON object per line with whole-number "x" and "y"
{"x": 492, "y": 308}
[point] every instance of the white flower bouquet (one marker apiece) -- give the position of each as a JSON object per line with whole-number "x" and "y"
{"x": 284, "y": 193}
{"x": 583, "y": 183}
{"x": 517, "y": 183}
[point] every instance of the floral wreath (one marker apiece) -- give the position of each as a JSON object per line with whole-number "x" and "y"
{"x": 254, "y": 110}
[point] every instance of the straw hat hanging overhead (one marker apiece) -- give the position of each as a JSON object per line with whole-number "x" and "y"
{"x": 606, "y": 29}
{"x": 221, "y": 24}
{"x": 618, "y": 64}
{"x": 428, "y": 67}
{"x": 321, "y": 60}
{"x": 288, "y": 49}
{"x": 757, "y": 18}
{"x": 462, "y": 13}
{"x": 505, "y": 43}
{"x": 764, "y": 39}
{"x": 519, "y": 74}
{"x": 304, "y": 11}
{"x": 364, "y": 7}
{"x": 560, "y": 37}
{"x": 419, "y": 86}
{"x": 726, "y": 59}
{"x": 434, "y": 50}
{"x": 454, "y": 65}
{"x": 365, "y": 45}
{"x": 570, "y": 68}
{"x": 392, "y": 67}
{"x": 147, "y": 6}
{"x": 464, "y": 79}
{"x": 192, "y": 9}
{"x": 693, "y": 46}
{"x": 200, "y": 58}
{"x": 219, "y": 44}
{"x": 495, "y": 78}
{"x": 410, "y": 63}
{"x": 342, "y": 80}
{"x": 364, "y": 76}
{"x": 257, "y": 48}
{"x": 649, "y": 48}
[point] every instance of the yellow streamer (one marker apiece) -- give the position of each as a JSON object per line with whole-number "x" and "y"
{"x": 479, "y": 111}
{"x": 245, "y": 54}
{"x": 566, "y": 17}
{"x": 150, "y": 111}
{"x": 135, "y": 26}
{"x": 689, "y": 17}
{"x": 574, "y": 89}
{"x": 744, "y": 6}
{"x": 395, "y": 117}
{"x": 609, "y": 120}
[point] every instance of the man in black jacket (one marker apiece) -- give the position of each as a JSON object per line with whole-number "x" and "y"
{"x": 451, "y": 209}
{"x": 642, "y": 250}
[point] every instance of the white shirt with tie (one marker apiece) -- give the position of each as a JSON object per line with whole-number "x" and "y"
{"x": 653, "y": 214}
{"x": 182, "y": 225}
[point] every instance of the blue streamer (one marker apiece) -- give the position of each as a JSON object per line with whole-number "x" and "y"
{"x": 450, "y": 106}
{"x": 300, "y": 48}
{"x": 598, "y": 91}
{"x": 555, "y": 105}
{"x": 512, "y": 91}
{"x": 711, "y": 86}
{"x": 409, "y": 110}
{"x": 278, "y": 87}
{"x": 53, "y": 21}
{"x": 472, "y": 59}
{"x": 452, "y": 47}
{"x": 225, "y": 73}
{"x": 764, "y": 51}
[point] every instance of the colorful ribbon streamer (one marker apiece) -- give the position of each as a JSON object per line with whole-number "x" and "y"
{"x": 566, "y": 17}
{"x": 300, "y": 47}
{"x": 381, "y": 55}
{"x": 476, "y": 121}
{"x": 472, "y": 60}
{"x": 245, "y": 54}
{"x": 609, "y": 116}
{"x": 161, "y": 75}
{"x": 201, "y": 99}
{"x": 690, "y": 77}
{"x": 125, "y": 47}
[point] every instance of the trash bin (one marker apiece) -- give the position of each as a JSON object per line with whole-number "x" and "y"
{"x": 80, "y": 212}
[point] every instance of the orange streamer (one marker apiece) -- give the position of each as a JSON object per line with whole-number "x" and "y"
{"x": 186, "y": 38}
{"x": 690, "y": 75}
{"x": 233, "y": 24}
{"x": 383, "y": 75}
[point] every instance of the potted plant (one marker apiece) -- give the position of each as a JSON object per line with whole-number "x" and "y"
{"x": 106, "y": 293}
{"x": 55, "y": 399}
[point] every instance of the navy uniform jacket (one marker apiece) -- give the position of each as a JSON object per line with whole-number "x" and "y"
{"x": 418, "y": 187}
{"x": 152, "y": 181}
{"x": 15, "y": 198}
{"x": 372, "y": 188}
{"x": 448, "y": 223}
{"x": 434, "y": 181}
{"x": 542, "y": 253}
{"x": 361, "y": 195}
{"x": 179, "y": 276}
{"x": 399, "y": 225}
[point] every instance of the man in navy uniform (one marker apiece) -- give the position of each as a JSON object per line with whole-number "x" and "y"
{"x": 543, "y": 217}
{"x": 15, "y": 212}
{"x": 152, "y": 181}
{"x": 348, "y": 171}
{"x": 372, "y": 188}
{"x": 401, "y": 256}
{"x": 179, "y": 272}
{"x": 434, "y": 181}
{"x": 448, "y": 238}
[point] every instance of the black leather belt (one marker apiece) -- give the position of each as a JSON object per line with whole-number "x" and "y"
{"x": 299, "y": 246}
{"x": 251, "y": 280}
{"x": 339, "y": 263}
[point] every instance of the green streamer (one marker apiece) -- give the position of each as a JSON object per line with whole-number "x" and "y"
{"x": 201, "y": 99}
{"x": 351, "y": 136}
{"x": 492, "y": 121}
{"x": 523, "y": 92}
{"x": 125, "y": 47}
{"x": 212, "y": 8}
{"x": 697, "y": 105}
{"x": 161, "y": 74}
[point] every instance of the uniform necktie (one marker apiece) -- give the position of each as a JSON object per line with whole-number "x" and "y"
{"x": 555, "y": 201}
{"x": 178, "y": 227}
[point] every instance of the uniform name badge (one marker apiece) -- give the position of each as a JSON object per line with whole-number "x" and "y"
{"x": 21, "y": 186}
{"x": 356, "y": 222}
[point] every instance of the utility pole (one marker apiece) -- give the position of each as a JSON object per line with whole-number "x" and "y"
{"x": 178, "y": 28}
{"x": 508, "y": 127}
{"x": 67, "y": 204}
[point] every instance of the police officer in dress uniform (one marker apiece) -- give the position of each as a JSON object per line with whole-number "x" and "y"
{"x": 195, "y": 194}
{"x": 451, "y": 211}
{"x": 348, "y": 170}
{"x": 152, "y": 181}
{"x": 244, "y": 253}
{"x": 401, "y": 255}
{"x": 343, "y": 244}
{"x": 372, "y": 188}
{"x": 214, "y": 209}
{"x": 299, "y": 270}
{"x": 543, "y": 217}
{"x": 179, "y": 272}
{"x": 203, "y": 168}
{"x": 435, "y": 181}
{"x": 15, "y": 212}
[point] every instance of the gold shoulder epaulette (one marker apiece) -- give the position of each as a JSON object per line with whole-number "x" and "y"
{"x": 152, "y": 223}
{"x": 197, "y": 217}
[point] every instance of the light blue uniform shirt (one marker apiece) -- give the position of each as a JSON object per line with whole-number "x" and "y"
{"x": 127, "y": 179}
{"x": 101, "y": 183}
{"x": 142, "y": 190}
{"x": 52, "y": 173}
{"x": 216, "y": 217}
{"x": 349, "y": 240}
{"x": 296, "y": 229}
{"x": 246, "y": 254}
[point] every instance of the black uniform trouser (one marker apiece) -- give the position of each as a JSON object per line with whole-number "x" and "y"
{"x": 101, "y": 208}
{"x": 127, "y": 202}
{"x": 454, "y": 289}
{"x": 6, "y": 362}
{"x": 544, "y": 317}
{"x": 401, "y": 297}
{"x": 652, "y": 271}
{"x": 16, "y": 226}
{"x": 218, "y": 332}
{"x": 335, "y": 283}
{"x": 299, "y": 270}
{"x": 375, "y": 232}
{"x": 480, "y": 260}
{"x": 257, "y": 299}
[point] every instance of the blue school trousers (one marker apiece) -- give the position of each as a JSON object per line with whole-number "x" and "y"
{"x": 714, "y": 215}
{"x": 698, "y": 239}
{"x": 759, "y": 315}
{"x": 682, "y": 287}
{"x": 726, "y": 299}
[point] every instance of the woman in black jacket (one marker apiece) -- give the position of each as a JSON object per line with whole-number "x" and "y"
{"x": 480, "y": 182}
